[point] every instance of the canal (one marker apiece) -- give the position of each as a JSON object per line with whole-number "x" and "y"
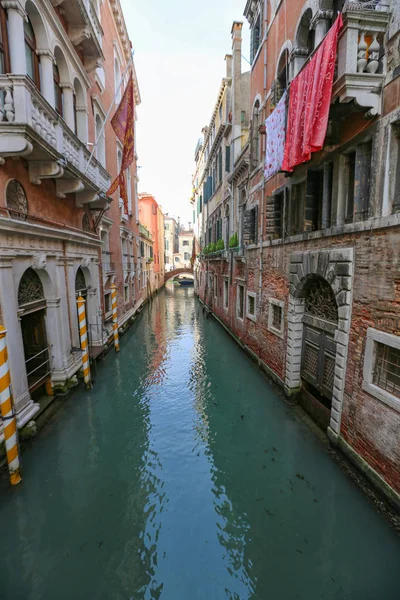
{"x": 184, "y": 476}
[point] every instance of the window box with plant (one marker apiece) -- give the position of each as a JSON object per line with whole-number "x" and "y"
{"x": 234, "y": 242}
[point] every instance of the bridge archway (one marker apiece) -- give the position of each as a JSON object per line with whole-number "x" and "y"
{"x": 181, "y": 271}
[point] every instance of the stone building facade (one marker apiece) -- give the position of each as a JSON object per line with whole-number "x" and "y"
{"x": 151, "y": 216}
{"x": 60, "y": 234}
{"x": 171, "y": 228}
{"x": 312, "y": 289}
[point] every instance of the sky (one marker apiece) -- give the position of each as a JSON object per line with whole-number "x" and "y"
{"x": 180, "y": 46}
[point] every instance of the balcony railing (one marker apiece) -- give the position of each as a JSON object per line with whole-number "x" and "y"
{"x": 360, "y": 69}
{"x": 30, "y": 127}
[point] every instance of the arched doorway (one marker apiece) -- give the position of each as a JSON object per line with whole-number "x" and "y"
{"x": 320, "y": 322}
{"x": 32, "y": 311}
{"x": 80, "y": 284}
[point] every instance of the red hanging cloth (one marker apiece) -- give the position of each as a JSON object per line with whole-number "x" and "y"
{"x": 310, "y": 98}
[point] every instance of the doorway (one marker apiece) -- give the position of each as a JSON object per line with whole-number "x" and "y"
{"x": 32, "y": 308}
{"x": 320, "y": 322}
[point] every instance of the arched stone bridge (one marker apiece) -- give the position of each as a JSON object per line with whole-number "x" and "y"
{"x": 181, "y": 271}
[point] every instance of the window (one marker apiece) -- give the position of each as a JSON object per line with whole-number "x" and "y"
{"x": 251, "y": 305}
{"x": 4, "y": 52}
{"x": 255, "y": 37}
{"x": 101, "y": 144}
{"x": 133, "y": 289}
{"x": 296, "y": 208}
{"x": 275, "y": 316}
{"x": 126, "y": 293}
{"x": 240, "y": 301}
{"x": 220, "y": 165}
{"x": 220, "y": 111}
{"x": 216, "y": 287}
{"x": 85, "y": 222}
{"x": 107, "y": 304}
{"x": 396, "y": 179}
{"x": 154, "y": 209}
{"x": 255, "y": 135}
{"x": 117, "y": 81}
{"x": 313, "y": 200}
{"x": 185, "y": 243}
{"x": 186, "y": 256}
{"x": 32, "y": 59}
{"x": 275, "y": 215}
{"x": 16, "y": 201}
{"x": 226, "y": 294}
{"x": 382, "y": 367}
{"x": 58, "y": 95}
{"x": 350, "y": 181}
{"x": 227, "y": 158}
{"x": 250, "y": 222}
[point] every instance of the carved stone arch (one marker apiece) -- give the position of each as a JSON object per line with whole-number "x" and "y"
{"x": 303, "y": 27}
{"x": 335, "y": 269}
{"x": 286, "y": 47}
{"x": 16, "y": 200}
{"x": 39, "y": 25}
{"x": 62, "y": 63}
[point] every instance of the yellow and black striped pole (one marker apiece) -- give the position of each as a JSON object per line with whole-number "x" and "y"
{"x": 84, "y": 342}
{"x": 7, "y": 413}
{"x": 115, "y": 316}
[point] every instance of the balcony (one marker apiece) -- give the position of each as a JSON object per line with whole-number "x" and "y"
{"x": 107, "y": 265}
{"x": 31, "y": 128}
{"x": 84, "y": 30}
{"x": 360, "y": 71}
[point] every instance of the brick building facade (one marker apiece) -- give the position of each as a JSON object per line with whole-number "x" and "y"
{"x": 61, "y": 63}
{"x": 312, "y": 289}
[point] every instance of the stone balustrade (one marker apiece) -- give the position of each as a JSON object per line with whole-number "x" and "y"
{"x": 360, "y": 68}
{"x": 25, "y": 113}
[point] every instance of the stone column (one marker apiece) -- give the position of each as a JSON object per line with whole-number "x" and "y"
{"x": 82, "y": 123}
{"x": 321, "y": 24}
{"x": 298, "y": 58}
{"x": 15, "y": 17}
{"x": 47, "y": 76}
{"x": 25, "y": 408}
{"x": 68, "y": 105}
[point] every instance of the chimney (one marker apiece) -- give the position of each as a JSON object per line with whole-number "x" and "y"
{"x": 228, "y": 60}
{"x": 236, "y": 33}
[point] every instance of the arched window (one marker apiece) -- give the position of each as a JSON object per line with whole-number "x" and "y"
{"x": 80, "y": 283}
{"x": 32, "y": 59}
{"x": 305, "y": 39}
{"x": 80, "y": 112}
{"x": 30, "y": 288}
{"x": 282, "y": 78}
{"x": 16, "y": 201}
{"x": 101, "y": 144}
{"x": 320, "y": 300}
{"x": 255, "y": 135}
{"x": 4, "y": 52}
{"x": 85, "y": 222}
{"x": 58, "y": 95}
{"x": 117, "y": 80}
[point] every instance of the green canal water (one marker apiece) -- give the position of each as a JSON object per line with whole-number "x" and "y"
{"x": 183, "y": 475}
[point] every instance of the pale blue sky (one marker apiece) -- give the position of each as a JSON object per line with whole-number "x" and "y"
{"x": 180, "y": 47}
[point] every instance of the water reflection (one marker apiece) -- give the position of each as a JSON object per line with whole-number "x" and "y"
{"x": 183, "y": 475}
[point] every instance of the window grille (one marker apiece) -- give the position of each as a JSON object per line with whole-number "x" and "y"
{"x": 241, "y": 302}
{"x": 276, "y": 317}
{"x": 85, "y": 222}
{"x": 320, "y": 301}
{"x": 17, "y": 203}
{"x": 30, "y": 288}
{"x": 80, "y": 282}
{"x": 387, "y": 369}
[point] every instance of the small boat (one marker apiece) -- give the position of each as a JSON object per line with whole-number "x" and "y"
{"x": 185, "y": 281}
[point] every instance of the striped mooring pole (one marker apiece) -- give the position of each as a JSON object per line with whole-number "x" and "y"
{"x": 114, "y": 316}
{"x": 7, "y": 413}
{"x": 84, "y": 342}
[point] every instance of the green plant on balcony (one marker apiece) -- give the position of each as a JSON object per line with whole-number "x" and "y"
{"x": 234, "y": 241}
{"x": 220, "y": 245}
{"x": 212, "y": 247}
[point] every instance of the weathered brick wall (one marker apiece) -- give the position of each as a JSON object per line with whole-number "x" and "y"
{"x": 368, "y": 425}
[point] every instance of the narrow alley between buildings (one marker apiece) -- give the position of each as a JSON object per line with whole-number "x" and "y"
{"x": 184, "y": 475}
